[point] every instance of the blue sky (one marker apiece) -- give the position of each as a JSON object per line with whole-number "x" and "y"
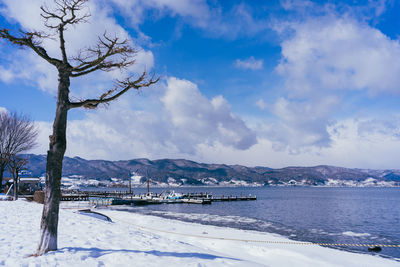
{"x": 271, "y": 83}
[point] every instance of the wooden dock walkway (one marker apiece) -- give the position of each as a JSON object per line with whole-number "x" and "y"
{"x": 125, "y": 198}
{"x": 234, "y": 198}
{"x": 74, "y": 197}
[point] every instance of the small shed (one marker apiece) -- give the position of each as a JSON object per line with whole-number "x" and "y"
{"x": 26, "y": 184}
{"x": 29, "y": 184}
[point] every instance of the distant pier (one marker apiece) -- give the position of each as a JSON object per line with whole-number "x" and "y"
{"x": 125, "y": 198}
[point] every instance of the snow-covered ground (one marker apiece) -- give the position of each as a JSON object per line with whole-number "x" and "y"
{"x": 139, "y": 240}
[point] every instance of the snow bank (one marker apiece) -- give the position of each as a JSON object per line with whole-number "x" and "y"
{"x": 139, "y": 240}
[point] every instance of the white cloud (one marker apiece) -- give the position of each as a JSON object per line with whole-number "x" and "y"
{"x": 6, "y": 75}
{"x": 379, "y": 6}
{"x": 353, "y": 144}
{"x": 207, "y": 16}
{"x": 135, "y": 10}
{"x": 261, "y": 104}
{"x": 296, "y": 4}
{"x": 382, "y": 127}
{"x": 249, "y": 63}
{"x": 322, "y": 56}
{"x": 301, "y": 124}
{"x": 349, "y": 148}
{"x": 177, "y": 123}
{"x": 200, "y": 119}
{"x": 324, "y": 59}
{"x": 121, "y": 132}
{"x": 239, "y": 21}
{"x": 193, "y": 8}
{"x": 333, "y": 53}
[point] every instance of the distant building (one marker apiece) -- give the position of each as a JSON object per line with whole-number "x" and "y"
{"x": 26, "y": 184}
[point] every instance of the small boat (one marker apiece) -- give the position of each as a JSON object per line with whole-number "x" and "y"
{"x": 174, "y": 195}
{"x": 95, "y": 214}
{"x": 168, "y": 197}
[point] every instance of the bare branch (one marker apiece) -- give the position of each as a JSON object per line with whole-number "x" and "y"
{"x": 65, "y": 13}
{"x": 100, "y": 56}
{"x": 17, "y": 134}
{"x": 20, "y": 133}
{"x": 16, "y": 163}
{"x": 32, "y": 40}
{"x": 62, "y": 44}
{"x": 121, "y": 88}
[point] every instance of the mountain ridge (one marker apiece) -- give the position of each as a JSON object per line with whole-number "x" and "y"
{"x": 188, "y": 172}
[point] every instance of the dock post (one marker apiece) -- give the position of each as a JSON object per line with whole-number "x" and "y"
{"x": 130, "y": 184}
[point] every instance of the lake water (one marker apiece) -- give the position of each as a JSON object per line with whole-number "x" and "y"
{"x": 313, "y": 214}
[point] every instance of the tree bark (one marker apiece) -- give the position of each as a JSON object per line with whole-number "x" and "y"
{"x": 2, "y": 168}
{"x": 15, "y": 178}
{"x": 55, "y": 155}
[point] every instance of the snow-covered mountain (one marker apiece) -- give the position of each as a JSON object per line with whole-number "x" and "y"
{"x": 176, "y": 172}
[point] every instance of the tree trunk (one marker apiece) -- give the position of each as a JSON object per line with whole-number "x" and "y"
{"x": 55, "y": 155}
{"x": 15, "y": 181}
{"x": 2, "y": 168}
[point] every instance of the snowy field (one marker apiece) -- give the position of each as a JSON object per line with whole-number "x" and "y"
{"x": 139, "y": 240}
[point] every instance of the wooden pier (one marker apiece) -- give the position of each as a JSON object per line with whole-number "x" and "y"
{"x": 74, "y": 197}
{"x": 234, "y": 198}
{"x": 125, "y": 198}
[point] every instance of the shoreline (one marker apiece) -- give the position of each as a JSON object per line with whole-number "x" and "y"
{"x": 126, "y": 188}
{"x": 178, "y": 218}
{"x": 147, "y": 240}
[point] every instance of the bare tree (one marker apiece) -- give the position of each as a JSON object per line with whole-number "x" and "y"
{"x": 17, "y": 135}
{"x": 108, "y": 54}
{"x": 15, "y": 165}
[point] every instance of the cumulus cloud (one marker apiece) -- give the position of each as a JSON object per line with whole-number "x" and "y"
{"x": 382, "y": 127}
{"x": 349, "y": 148}
{"x": 360, "y": 143}
{"x": 250, "y": 63}
{"x": 333, "y": 53}
{"x": 201, "y": 119}
{"x": 300, "y": 124}
{"x": 176, "y": 123}
{"x": 163, "y": 130}
{"x": 323, "y": 59}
